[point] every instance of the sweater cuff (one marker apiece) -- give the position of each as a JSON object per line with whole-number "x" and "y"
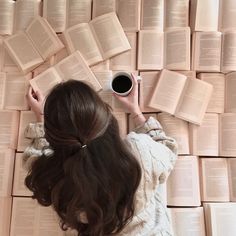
{"x": 34, "y": 130}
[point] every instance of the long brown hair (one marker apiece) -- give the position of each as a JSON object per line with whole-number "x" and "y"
{"x": 91, "y": 172}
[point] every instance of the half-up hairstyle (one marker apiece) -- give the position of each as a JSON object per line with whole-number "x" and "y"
{"x": 92, "y": 176}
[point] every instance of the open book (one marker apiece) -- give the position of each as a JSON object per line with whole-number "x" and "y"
{"x": 157, "y": 50}
{"x": 72, "y": 67}
{"x": 218, "y": 179}
{"x": 98, "y": 40}
{"x": 19, "y": 188}
{"x": 128, "y": 12}
{"x": 186, "y": 98}
{"x": 183, "y": 188}
{"x": 5, "y": 215}
{"x": 122, "y": 121}
{"x": 7, "y": 157}
{"x": 66, "y": 13}
{"x": 33, "y": 46}
{"x": 188, "y": 221}
{"x": 13, "y": 88}
{"x": 6, "y": 17}
{"x": 220, "y": 218}
{"x": 9, "y": 121}
{"x": 31, "y": 219}
{"x": 230, "y": 94}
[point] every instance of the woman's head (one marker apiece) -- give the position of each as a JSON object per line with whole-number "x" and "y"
{"x": 92, "y": 177}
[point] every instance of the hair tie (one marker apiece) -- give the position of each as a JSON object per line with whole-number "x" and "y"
{"x": 84, "y": 146}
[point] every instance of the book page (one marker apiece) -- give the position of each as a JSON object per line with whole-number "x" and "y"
{"x": 25, "y": 12}
{"x": 8, "y": 64}
{"x": 44, "y": 38}
{"x": 214, "y": 179}
{"x": 150, "y": 50}
{"x": 146, "y": 87}
{"x": 55, "y": 13}
{"x": 109, "y": 35}
{"x": 101, "y": 66}
{"x": 2, "y": 88}
{"x": 177, "y": 129}
{"x": 183, "y": 183}
{"x": 217, "y": 80}
{"x": 232, "y": 178}
{"x": 79, "y": 37}
{"x": 9, "y": 122}
{"x": 152, "y": 15}
{"x": 206, "y": 14}
{"x": 7, "y": 157}
{"x": 122, "y": 121}
{"x": 177, "y": 49}
{"x": 128, "y": 12}
{"x": 75, "y": 67}
{"x": 207, "y": 51}
{"x": 23, "y": 52}
{"x": 193, "y": 104}
{"x": 205, "y": 138}
{"x": 228, "y": 58}
{"x": 63, "y": 53}
{"x": 168, "y": 91}
{"x": 16, "y": 88}
{"x": 227, "y": 17}
{"x": 26, "y": 117}
{"x": 5, "y": 215}
{"x": 101, "y": 7}
{"x": 31, "y": 219}
{"x": 187, "y": 73}
{"x": 45, "y": 81}
{"x": 78, "y": 12}
{"x": 176, "y": 13}
{"x": 6, "y": 16}
{"x": 188, "y": 221}
{"x": 230, "y": 92}
{"x": 19, "y": 188}
{"x": 227, "y": 134}
{"x": 126, "y": 60}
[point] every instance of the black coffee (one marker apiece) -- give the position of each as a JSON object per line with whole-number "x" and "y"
{"x": 121, "y": 84}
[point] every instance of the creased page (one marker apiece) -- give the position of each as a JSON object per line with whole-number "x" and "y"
{"x": 205, "y": 138}
{"x": 228, "y": 134}
{"x": 183, "y": 187}
{"x": 23, "y": 52}
{"x": 5, "y": 215}
{"x": 176, "y": 13}
{"x": 15, "y": 90}
{"x": 55, "y": 13}
{"x": 150, "y": 50}
{"x": 214, "y": 179}
{"x": 78, "y": 12}
{"x": 19, "y": 188}
{"x": 109, "y": 35}
{"x": 194, "y": 102}
{"x": 25, "y": 12}
{"x": 168, "y": 91}
{"x": 44, "y": 38}
{"x": 75, "y": 67}
{"x": 9, "y": 122}
{"x": 6, "y": 16}
{"x": 7, "y": 157}
{"x": 232, "y": 178}
{"x": 188, "y": 221}
{"x": 227, "y": 18}
{"x": 45, "y": 81}
{"x": 26, "y": 117}
{"x": 152, "y": 15}
{"x": 230, "y": 92}
{"x": 177, "y": 129}
{"x": 217, "y": 80}
{"x": 177, "y": 49}
{"x": 101, "y": 7}
{"x": 128, "y": 12}
{"x": 79, "y": 37}
{"x": 228, "y": 57}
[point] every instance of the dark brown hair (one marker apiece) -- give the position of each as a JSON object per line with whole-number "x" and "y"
{"x": 98, "y": 180}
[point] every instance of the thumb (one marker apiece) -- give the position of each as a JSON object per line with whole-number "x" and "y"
{"x": 39, "y": 95}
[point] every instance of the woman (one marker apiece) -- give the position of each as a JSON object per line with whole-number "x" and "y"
{"x": 98, "y": 183}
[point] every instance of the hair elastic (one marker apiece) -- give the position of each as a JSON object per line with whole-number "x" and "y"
{"x": 84, "y": 146}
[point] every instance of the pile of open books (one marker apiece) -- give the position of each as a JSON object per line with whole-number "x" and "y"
{"x": 185, "y": 52}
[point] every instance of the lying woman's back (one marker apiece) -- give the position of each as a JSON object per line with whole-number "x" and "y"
{"x": 97, "y": 183}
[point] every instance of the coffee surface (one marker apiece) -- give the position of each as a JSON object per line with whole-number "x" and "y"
{"x": 121, "y": 84}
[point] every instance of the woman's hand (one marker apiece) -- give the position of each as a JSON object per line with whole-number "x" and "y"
{"x": 36, "y": 103}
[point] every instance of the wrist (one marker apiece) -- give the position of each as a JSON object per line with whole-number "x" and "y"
{"x": 39, "y": 117}
{"x": 135, "y": 111}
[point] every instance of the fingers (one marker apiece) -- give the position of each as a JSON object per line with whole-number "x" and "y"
{"x": 134, "y": 78}
{"x": 39, "y": 95}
